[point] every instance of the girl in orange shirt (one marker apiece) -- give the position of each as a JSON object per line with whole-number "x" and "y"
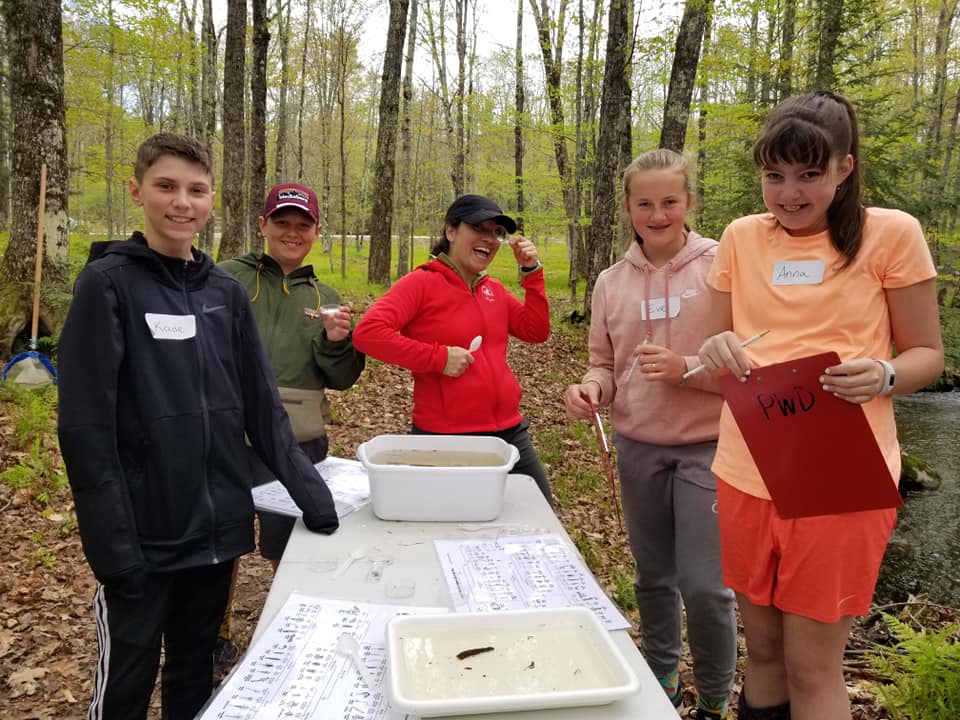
{"x": 868, "y": 286}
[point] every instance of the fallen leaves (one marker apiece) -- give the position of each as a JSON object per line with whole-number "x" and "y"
{"x": 25, "y": 682}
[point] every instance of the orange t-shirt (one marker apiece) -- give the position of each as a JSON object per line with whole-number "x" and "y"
{"x": 793, "y": 287}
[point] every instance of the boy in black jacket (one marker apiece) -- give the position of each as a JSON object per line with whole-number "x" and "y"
{"x": 162, "y": 373}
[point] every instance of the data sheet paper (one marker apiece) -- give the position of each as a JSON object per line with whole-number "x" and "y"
{"x": 516, "y": 572}
{"x": 294, "y": 672}
{"x": 347, "y": 480}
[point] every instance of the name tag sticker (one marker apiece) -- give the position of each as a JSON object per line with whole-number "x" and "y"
{"x": 798, "y": 272}
{"x": 658, "y": 308}
{"x": 171, "y": 327}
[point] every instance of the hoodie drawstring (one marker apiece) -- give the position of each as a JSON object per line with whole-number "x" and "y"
{"x": 257, "y": 293}
{"x": 667, "y": 271}
{"x": 283, "y": 284}
{"x": 648, "y": 324}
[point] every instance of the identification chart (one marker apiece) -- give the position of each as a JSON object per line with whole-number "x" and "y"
{"x": 530, "y": 571}
{"x": 294, "y": 672}
{"x": 347, "y": 480}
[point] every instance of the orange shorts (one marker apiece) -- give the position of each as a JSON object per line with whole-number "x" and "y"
{"x": 823, "y": 567}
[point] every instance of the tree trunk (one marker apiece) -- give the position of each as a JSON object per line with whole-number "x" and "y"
{"x": 575, "y": 249}
{"x": 283, "y": 37}
{"x": 605, "y": 194}
{"x": 766, "y": 79}
{"x": 37, "y": 107}
{"x": 460, "y": 154}
{"x": 686, "y": 58}
{"x": 551, "y": 51}
{"x": 178, "y": 119}
{"x": 196, "y": 43}
{"x": 4, "y": 128}
{"x": 787, "y": 36}
{"x": 829, "y": 35}
{"x": 934, "y": 180}
{"x": 381, "y": 218}
{"x": 750, "y": 94}
{"x": 343, "y": 62}
{"x": 208, "y": 102}
{"x": 256, "y": 189}
{"x": 232, "y": 240}
{"x": 109, "y": 89}
{"x": 518, "y": 123}
{"x": 626, "y": 124}
{"x": 405, "y": 244}
{"x": 307, "y": 17}
{"x": 702, "y": 157}
{"x": 436, "y": 37}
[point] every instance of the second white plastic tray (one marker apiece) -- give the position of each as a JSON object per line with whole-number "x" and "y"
{"x": 471, "y": 663}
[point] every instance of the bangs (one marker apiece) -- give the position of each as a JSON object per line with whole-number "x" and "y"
{"x": 793, "y": 141}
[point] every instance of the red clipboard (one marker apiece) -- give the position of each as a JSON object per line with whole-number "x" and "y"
{"x": 815, "y": 452}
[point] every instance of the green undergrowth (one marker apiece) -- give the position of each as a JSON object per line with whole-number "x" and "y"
{"x": 921, "y": 671}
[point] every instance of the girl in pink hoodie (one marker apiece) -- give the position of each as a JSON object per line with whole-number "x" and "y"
{"x": 649, "y": 313}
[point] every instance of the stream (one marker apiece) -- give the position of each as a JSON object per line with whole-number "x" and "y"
{"x": 924, "y": 553}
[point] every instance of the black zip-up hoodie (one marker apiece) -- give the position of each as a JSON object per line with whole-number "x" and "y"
{"x": 161, "y": 372}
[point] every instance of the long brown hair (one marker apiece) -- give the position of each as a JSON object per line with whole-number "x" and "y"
{"x": 812, "y": 130}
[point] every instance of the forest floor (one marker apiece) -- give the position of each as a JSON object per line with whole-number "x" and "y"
{"x": 47, "y": 638}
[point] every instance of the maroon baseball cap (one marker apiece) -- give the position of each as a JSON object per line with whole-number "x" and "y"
{"x": 292, "y": 195}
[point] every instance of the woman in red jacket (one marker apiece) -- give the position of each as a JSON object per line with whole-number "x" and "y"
{"x": 431, "y": 318}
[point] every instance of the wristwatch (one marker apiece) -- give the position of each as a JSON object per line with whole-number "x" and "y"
{"x": 889, "y": 377}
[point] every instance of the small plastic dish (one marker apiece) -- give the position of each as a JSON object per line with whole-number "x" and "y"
{"x": 400, "y": 588}
{"x": 471, "y": 663}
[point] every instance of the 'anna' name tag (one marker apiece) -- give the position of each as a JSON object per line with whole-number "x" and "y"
{"x": 171, "y": 327}
{"x": 798, "y": 272}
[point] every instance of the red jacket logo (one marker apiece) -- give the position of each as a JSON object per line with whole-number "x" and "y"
{"x": 487, "y": 294}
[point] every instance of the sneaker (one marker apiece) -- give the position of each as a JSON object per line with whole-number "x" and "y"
{"x": 225, "y": 654}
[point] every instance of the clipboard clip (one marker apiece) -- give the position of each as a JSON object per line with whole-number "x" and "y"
{"x": 607, "y": 462}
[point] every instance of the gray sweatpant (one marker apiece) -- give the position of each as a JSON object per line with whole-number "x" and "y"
{"x": 669, "y": 502}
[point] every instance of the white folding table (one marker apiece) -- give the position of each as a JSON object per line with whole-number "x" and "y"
{"x": 309, "y": 559}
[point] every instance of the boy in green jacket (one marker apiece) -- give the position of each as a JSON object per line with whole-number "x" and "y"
{"x": 307, "y": 334}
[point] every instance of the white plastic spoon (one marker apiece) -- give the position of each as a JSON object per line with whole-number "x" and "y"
{"x": 347, "y": 645}
{"x": 358, "y": 553}
{"x": 475, "y": 343}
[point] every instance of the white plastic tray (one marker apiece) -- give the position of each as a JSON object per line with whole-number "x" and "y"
{"x": 446, "y": 494}
{"x": 544, "y": 658}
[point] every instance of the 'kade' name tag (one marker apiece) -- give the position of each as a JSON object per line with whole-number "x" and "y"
{"x": 798, "y": 272}
{"x": 171, "y": 327}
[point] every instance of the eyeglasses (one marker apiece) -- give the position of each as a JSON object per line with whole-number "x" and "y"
{"x": 498, "y": 232}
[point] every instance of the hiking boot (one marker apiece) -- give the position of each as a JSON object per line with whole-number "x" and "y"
{"x": 225, "y": 655}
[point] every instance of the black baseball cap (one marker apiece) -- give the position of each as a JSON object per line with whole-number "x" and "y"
{"x": 474, "y": 209}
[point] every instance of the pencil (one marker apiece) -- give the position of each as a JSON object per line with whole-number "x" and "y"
{"x": 748, "y": 341}
{"x": 633, "y": 365}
